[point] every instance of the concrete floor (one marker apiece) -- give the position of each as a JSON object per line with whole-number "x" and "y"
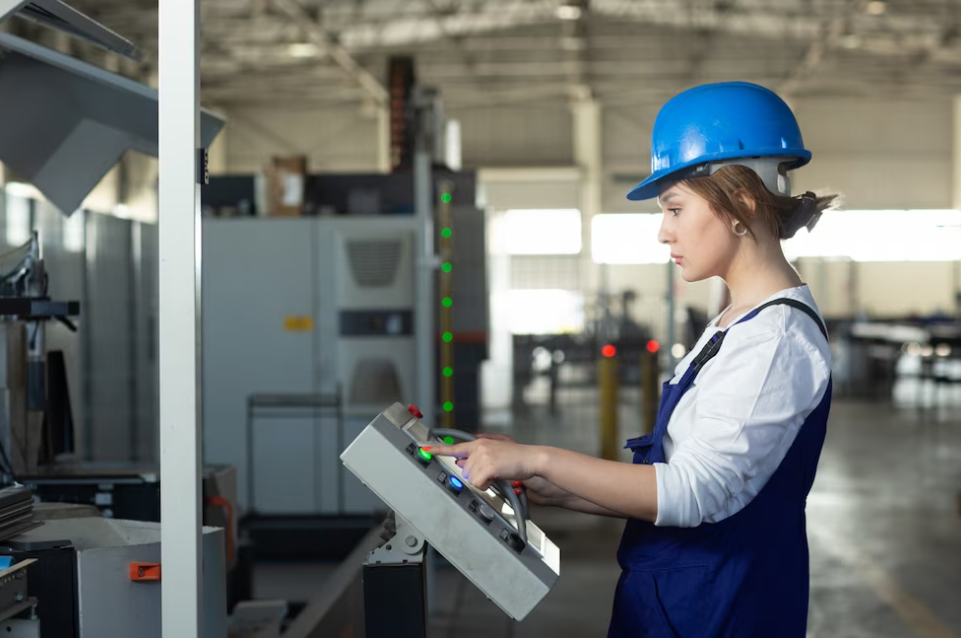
{"x": 884, "y": 530}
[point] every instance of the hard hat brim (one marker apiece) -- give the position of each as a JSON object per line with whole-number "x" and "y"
{"x": 650, "y": 187}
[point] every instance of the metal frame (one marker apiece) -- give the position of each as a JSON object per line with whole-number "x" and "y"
{"x": 179, "y": 270}
{"x": 315, "y": 405}
{"x": 57, "y": 15}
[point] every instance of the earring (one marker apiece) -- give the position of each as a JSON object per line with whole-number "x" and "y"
{"x": 734, "y": 229}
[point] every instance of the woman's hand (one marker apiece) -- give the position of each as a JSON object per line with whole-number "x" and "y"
{"x": 543, "y": 492}
{"x": 485, "y": 460}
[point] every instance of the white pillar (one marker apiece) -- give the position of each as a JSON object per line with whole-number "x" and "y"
{"x": 956, "y": 191}
{"x": 588, "y": 157}
{"x": 956, "y": 156}
{"x": 383, "y": 138}
{"x": 179, "y": 269}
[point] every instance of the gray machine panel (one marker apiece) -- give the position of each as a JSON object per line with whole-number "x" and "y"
{"x": 255, "y": 280}
{"x": 474, "y": 530}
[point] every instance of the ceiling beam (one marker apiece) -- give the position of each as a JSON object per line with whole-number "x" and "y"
{"x": 329, "y": 45}
{"x": 827, "y": 38}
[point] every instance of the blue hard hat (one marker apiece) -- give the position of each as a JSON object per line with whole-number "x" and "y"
{"x": 718, "y": 122}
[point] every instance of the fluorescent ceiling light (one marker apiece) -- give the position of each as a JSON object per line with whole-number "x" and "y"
{"x": 303, "y": 50}
{"x": 569, "y": 12}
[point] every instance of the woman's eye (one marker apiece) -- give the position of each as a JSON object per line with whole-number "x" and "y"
{"x": 674, "y": 211}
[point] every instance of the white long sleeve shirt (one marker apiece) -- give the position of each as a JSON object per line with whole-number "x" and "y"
{"x": 733, "y": 427}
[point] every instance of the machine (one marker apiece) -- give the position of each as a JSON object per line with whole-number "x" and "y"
{"x": 32, "y": 426}
{"x": 307, "y": 330}
{"x": 484, "y": 534}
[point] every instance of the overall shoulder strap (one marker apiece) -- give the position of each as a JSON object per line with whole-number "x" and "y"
{"x": 712, "y": 347}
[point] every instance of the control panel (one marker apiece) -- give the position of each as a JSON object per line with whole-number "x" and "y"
{"x": 483, "y": 533}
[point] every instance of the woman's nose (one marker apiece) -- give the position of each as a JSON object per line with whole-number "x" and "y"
{"x": 665, "y": 235}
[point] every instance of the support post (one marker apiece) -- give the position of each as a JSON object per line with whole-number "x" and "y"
{"x": 607, "y": 379}
{"x": 586, "y": 116}
{"x": 650, "y": 390}
{"x": 396, "y": 583}
{"x": 179, "y": 270}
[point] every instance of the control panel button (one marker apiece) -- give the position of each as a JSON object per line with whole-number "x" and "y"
{"x": 485, "y": 513}
{"x": 455, "y": 485}
{"x": 515, "y": 542}
{"x": 424, "y": 456}
{"x": 417, "y": 414}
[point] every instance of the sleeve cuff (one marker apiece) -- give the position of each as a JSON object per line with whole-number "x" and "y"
{"x": 673, "y": 505}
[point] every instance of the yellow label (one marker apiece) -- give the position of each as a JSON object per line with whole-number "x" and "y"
{"x": 298, "y": 323}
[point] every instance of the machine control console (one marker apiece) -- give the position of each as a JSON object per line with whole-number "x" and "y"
{"x": 476, "y": 530}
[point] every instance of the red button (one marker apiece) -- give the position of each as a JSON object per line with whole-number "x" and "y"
{"x": 413, "y": 410}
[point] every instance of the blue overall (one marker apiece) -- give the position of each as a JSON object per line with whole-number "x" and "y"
{"x": 745, "y": 576}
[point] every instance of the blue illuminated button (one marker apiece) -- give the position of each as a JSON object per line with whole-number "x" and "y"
{"x": 455, "y": 485}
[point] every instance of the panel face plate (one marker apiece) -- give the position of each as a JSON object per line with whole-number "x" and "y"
{"x": 473, "y": 530}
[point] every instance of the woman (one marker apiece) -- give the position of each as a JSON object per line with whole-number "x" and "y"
{"x": 714, "y": 543}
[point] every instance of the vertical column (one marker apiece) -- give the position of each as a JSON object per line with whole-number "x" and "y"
{"x": 956, "y": 188}
{"x": 588, "y": 157}
{"x": 179, "y": 269}
{"x": 424, "y": 311}
{"x": 383, "y": 138}
{"x": 446, "y": 241}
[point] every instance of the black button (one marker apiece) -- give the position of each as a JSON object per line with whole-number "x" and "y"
{"x": 515, "y": 542}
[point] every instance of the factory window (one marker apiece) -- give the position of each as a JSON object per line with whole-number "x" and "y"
{"x": 546, "y": 311}
{"x": 17, "y": 224}
{"x": 542, "y": 232}
{"x": 881, "y": 235}
{"x": 629, "y": 238}
{"x": 859, "y": 235}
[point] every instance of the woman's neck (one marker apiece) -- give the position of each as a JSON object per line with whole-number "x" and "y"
{"x": 759, "y": 271}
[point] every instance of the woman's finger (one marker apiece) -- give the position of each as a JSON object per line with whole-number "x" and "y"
{"x": 461, "y": 450}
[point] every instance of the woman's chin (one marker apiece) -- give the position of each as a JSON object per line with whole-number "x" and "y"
{"x": 690, "y": 275}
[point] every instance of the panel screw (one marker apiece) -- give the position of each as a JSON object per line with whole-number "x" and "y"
{"x": 411, "y": 541}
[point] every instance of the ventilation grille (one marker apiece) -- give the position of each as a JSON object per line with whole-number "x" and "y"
{"x": 375, "y": 381}
{"x": 374, "y": 264}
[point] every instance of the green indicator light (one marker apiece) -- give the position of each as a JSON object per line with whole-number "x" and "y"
{"x": 448, "y": 406}
{"x": 448, "y": 302}
{"x": 447, "y": 232}
{"x": 449, "y": 440}
{"x": 446, "y": 267}
{"x": 448, "y": 372}
{"x": 446, "y": 198}
{"x": 448, "y": 337}
{"x": 425, "y": 455}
